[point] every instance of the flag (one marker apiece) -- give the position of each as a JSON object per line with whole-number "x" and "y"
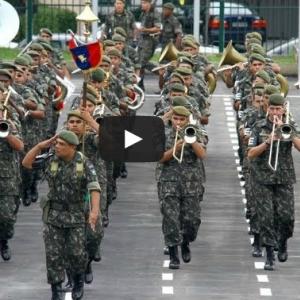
{"x": 87, "y": 56}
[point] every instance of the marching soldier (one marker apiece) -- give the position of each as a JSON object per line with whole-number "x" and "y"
{"x": 274, "y": 193}
{"x": 71, "y": 177}
{"x": 180, "y": 188}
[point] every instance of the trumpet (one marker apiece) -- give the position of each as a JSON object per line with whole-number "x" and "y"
{"x": 4, "y": 125}
{"x": 284, "y": 133}
{"x": 189, "y": 136}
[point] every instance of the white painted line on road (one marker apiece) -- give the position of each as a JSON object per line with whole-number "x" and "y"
{"x": 167, "y": 276}
{"x": 231, "y": 124}
{"x": 166, "y": 263}
{"x": 262, "y": 278}
{"x": 265, "y": 292}
{"x": 167, "y": 290}
{"x": 242, "y": 183}
{"x": 227, "y": 103}
{"x": 245, "y": 209}
{"x": 235, "y": 148}
{"x": 228, "y": 95}
{"x": 228, "y": 108}
{"x": 231, "y": 129}
{"x": 237, "y": 161}
{"x": 229, "y": 113}
{"x": 230, "y": 118}
{"x": 251, "y": 240}
{"x": 227, "y": 98}
{"x": 244, "y": 200}
{"x": 259, "y": 265}
{"x": 234, "y": 141}
{"x": 68, "y": 296}
{"x": 243, "y": 192}
{"x": 236, "y": 154}
{"x": 249, "y": 229}
{"x": 239, "y": 169}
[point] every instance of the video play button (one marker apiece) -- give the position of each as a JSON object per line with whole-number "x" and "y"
{"x": 131, "y": 139}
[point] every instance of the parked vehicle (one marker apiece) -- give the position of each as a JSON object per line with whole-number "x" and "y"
{"x": 287, "y": 48}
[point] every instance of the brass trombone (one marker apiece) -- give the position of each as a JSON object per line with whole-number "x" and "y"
{"x": 283, "y": 133}
{"x": 4, "y": 125}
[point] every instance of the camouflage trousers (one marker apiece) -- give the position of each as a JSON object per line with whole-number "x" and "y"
{"x": 93, "y": 238}
{"x": 145, "y": 51}
{"x": 8, "y": 216}
{"x": 110, "y": 181}
{"x": 65, "y": 249}
{"x": 180, "y": 209}
{"x": 275, "y": 208}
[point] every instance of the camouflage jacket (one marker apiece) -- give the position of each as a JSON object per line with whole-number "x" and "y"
{"x": 262, "y": 173}
{"x": 67, "y": 189}
{"x": 190, "y": 169}
{"x": 148, "y": 20}
{"x": 171, "y": 28}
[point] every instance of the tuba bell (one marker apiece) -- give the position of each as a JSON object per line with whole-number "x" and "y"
{"x": 211, "y": 82}
{"x": 169, "y": 53}
{"x": 4, "y": 124}
{"x": 229, "y": 58}
{"x": 284, "y": 85}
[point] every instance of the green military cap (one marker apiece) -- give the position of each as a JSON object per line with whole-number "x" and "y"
{"x": 146, "y": 0}
{"x": 90, "y": 97}
{"x": 106, "y": 59}
{"x": 114, "y": 52}
{"x": 180, "y": 101}
{"x": 259, "y": 92}
{"x": 263, "y": 75}
{"x": 256, "y": 56}
{"x": 175, "y": 74}
{"x": 98, "y": 75}
{"x": 254, "y": 34}
{"x": 69, "y": 137}
{"x": 255, "y": 48}
{"x": 169, "y": 5}
{"x": 28, "y": 57}
{"x": 47, "y": 46}
{"x": 181, "y": 111}
{"x": 185, "y": 54}
{"x": 75, "y": 113}
{"x": 184, "y": 71}
{"x": 2, "y": 87}
{"x": 253, "y": 41}
{"x": 22, "y": 61}
{"x": 276, "y": 99}
{"x": 46, "y": 30}
{"x": 188, "y": 43}
{"x": 5, "y": 73}
{"x": 184, "y": 59}
{"x": 271, "y": 89}
{"x": 90, "y": 89}
{"x": 137, "y": 66}
{"x": 8, "y": 65}
{"x": 258, "y": 86}
{"x": 118, "y": 38}
{"x": 177, "y": 87}
{"x": 108, "y": 43}
{"x": 36, "y": 47}
{"x": 121, "y": 31}
{"x": 33, "y": 53}
{"x": 189, "y": 36}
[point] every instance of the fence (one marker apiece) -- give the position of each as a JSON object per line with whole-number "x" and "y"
{"x": 276, "y": 20}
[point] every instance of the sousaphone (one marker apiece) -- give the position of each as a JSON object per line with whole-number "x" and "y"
{"x": 169, "y": 53}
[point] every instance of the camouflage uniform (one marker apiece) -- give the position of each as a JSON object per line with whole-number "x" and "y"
{"x": 171, "y": 28}
{"x": 125, "y": 20}
{"x": 9, "y": 188}
{"x": 179, "y": 191}
{"x": 64, "y": 216}
{"x": 274, "y": 193}
{"x": 147, "y": 43}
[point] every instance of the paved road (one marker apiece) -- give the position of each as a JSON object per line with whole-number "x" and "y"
{"x": 133, "y": 266}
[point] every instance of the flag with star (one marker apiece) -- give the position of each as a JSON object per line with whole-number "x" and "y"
{"x": 87, "y": 56}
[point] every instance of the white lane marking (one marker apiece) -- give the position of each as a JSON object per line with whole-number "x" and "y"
{"x": 228, "y": 95}
{"x": 231, "y": 129}
{"x": 229, "y": 113}
{"x": 68, "y": 296}
{"x": 166, "y": 263}
{"x": 242, "y": 183}
{"x": 262, "y": 278}
{"x": 227, "y": 98}
{"x": 227, "y": 103}
{"x": 167, "y": 276}
{"x": 236, "y": 154}
{"x": 251, "y": 240}
{"x": 265, "y": 292}
{"x": 244, "y": 200}
{"x": 243, "y": 192}
{"x": 229, "y": 108}
{"x": 234, "y": 141}
{"x": 230, "y": 118}
{"x": 167, "y": 290}
{"x": 235, "y": 148}
{"x": 237, "y": 161}
{"x": 259, "y": 265}
{"x": 231, "y": 124}
{"x": 239, "y": 169}
{"x": 245, "y": 209}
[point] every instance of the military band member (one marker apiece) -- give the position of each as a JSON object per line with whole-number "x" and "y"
{"x": 275, "y": 192}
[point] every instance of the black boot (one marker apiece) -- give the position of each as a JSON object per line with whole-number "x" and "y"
{"x": 57, "y": 293}
{"x": 269, "y": 264}
{"x": 34, "y": 192}
{"x": 123, "y": 172}
{"x": 26, "y": 197}
{"x": 69, "y": 285}
{"x": 88, "y": 275}
{"x": 174, "y": 259}
{"x": 97, "y": 255}
{"x": 185, "y": 252}
{"x": 105, "y": 218}
{"x": 78, "y": 285}
{"x": 5, "y": 250}
{"x": 282, "y": 251}
{"x": 256, "y": 252}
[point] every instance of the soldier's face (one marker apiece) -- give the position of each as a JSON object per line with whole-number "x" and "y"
{"x": 75, "y": 125}
{"x": 64, "y": 150}
{"x": 120, "y": 46}
{"x": 105, "y": 67}
{"x": 5, "y": 80}
{"x": 89, "y": 106}
{"x": 145, "y": 5}
{"x": 96, "y": 84}
{"x": 20, "y": 77}
{"x": 115, "y": 61}
{"x": 190, "y": 50}
{"x": 36, "y": 60}
{"x": 258, "y": 80}
{"x": 258, "y": 101}
{"x": 256, "y": 66}
{"x": 175, "y": 94}
{"x": 119, "y": 7}
{"x": 46, "y": 37}
{"x": 275, "y": 111}
{"x": 167, "y": 12}
{"x": 187, "y": 80}
{"x": 44, "y": 59}
{"x": 179, "y": 121}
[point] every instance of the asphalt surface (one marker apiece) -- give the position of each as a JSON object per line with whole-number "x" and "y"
{"x": 133, "y": 266}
